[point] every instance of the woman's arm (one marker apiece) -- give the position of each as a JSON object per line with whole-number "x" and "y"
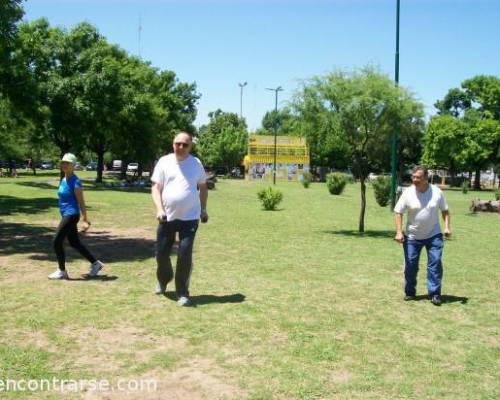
{"x": 81, "y": 203}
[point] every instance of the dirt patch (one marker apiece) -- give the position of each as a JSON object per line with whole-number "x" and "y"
{"x": 33, "y": 338}
{"x": 199, "y": 379}
{"x": 340, "y": 377}
{"x": 20, "y": 271}
{"x": 109, "y": 349}
{"x": 4, "y": 261}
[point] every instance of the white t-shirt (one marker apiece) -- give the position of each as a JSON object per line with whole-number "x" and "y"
{"x": 423, "y": 211}
{"x": 178, "y": 181}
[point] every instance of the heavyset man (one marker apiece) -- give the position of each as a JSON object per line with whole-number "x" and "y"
{"x": 180, "y": 195}
{"x": 423, "y": 202}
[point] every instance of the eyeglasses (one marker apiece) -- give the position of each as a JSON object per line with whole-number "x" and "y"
{"x": 181, "y": 144}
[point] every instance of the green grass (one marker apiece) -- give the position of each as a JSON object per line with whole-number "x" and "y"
{"x": 291, "y": 304}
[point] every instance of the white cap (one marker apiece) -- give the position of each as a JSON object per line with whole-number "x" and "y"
{"x": 68, "y": 157}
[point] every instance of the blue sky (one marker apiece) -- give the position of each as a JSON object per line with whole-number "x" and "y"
{"x": 218, "y": 43}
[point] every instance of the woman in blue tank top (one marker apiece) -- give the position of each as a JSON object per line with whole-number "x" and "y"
{"x": 71, "y": 206}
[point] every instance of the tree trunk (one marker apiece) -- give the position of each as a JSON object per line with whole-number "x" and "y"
{"x": 477, "y": 179}
{"x": 100, "y": 165}
{"x": 63, "y": 152}
{"x": 363, "y": 204}
{"x": 453, "y": 179}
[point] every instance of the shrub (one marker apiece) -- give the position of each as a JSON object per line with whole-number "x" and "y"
{"x": 465, "y": 187}
{"x": 306, "y": 179}
{"x": 382, "y": 190}
{"x": 335, "y": 182}
{"x": 350, "y": 178}
{"x": 270, "y": 198}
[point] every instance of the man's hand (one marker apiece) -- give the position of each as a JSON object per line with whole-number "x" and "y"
{"x": 161, "y": 216}
{"x": 447, "y": 233}
{"x": 203, "y": 216}
{"x": 399, "y": 237}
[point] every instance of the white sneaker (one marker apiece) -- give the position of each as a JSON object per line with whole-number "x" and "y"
{"x": 183, "y": 301}
{"x": 59, "y": 275}
{"x": 160, "y": 289}
{"x": 95, "y": 268}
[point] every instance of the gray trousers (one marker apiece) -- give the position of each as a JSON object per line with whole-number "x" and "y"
{"x": 165, "y": 237}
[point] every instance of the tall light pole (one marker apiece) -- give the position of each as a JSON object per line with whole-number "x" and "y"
{"x": 394, "y": 141}
{"x": 241, "y": 85}
{"x": 276, "y": 90}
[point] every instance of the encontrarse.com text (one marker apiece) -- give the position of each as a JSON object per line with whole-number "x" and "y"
{"x": 77, "y": 385}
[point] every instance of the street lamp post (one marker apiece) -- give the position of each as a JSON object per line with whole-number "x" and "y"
{"x": 241, "y": 85}
{"x": 276, "y": 90}
{"x": 394, "y": 140}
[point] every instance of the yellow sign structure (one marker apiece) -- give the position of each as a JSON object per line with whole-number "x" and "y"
{"x": 292, "y": 157}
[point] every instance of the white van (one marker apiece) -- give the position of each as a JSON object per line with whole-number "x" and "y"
{"x": 117, "y": 165}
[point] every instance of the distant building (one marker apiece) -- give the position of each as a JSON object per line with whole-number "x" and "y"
{"x": 292, "y": 157}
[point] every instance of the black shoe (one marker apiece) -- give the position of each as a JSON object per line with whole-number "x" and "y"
{"x": 436, "y": 300}
{"x": 410, "y": 298}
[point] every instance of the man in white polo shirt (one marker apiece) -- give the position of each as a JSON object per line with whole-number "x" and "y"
{"x": 180, "y": 195}
{"x": 423, "y": 202}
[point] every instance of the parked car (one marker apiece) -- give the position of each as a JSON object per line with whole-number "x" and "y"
{"x": 91, "y": 166}
{"x": 133, "y": 167}
{"x": 117, "y": 165}
{"x": 78, "y": 166}
{"x": 372, "y": 176}
{"x": 47, "y": 165}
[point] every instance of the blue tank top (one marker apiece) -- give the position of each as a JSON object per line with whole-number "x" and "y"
{"x": 68, "y": 204}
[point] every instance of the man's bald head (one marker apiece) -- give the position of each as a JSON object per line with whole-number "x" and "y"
{"x": 183, "y": 144}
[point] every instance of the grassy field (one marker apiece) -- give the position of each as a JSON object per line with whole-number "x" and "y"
{"x": 292, "y": 304}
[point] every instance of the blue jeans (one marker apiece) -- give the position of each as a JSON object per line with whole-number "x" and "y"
{"x": 412, "y": 249}
{"x": 165, "y": 237}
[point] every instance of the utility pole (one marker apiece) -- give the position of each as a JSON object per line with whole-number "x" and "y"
{"x": 241, "y": 85}
{"x": 394, "y": 139}
{"x": 276, "y": 90}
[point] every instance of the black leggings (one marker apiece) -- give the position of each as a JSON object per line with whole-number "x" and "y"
{"x": 67, "y": 228}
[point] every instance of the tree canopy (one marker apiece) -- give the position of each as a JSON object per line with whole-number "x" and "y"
{"x": 352, "y": 115}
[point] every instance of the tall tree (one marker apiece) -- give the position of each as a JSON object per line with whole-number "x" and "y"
{"x": 223, "y": 141}
{"x": 11, "y": 13}
{"x": 476, "y": 105}
{"x": 443, "y": 138}
{"x": 357, "y": 112}
{"x": 283, "y": 120}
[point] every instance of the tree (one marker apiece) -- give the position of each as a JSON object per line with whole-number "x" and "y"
{"x": 10, "y": 132}
{"x": 444, "y": 135}
{"x": 54, "y": 67}
{"x": 356, "y": 112}
{"x": 11, "y": 13}
{"x": 282, "y": 119}
{"x": 223, "y": 141}
{"x": 476, "y": 107}
{"x": 177, "y": 101}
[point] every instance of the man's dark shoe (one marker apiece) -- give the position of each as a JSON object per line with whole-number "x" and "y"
{"x": 436, "y": 300}
{"x": 410, "y": 298}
